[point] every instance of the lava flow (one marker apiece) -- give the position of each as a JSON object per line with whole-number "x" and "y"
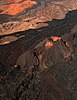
{"x": 13, "y": 7}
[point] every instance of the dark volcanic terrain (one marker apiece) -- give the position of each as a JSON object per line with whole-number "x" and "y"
{"x": 38, "y": 50}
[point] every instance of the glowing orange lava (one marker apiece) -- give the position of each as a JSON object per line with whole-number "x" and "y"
{"x": 55, "y": 38}
{"x": 16, "y": 7}
{"x": 11, "y": 1}
{"x": 49, "y": 44}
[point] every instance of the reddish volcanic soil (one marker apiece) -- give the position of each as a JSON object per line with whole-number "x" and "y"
{"x": 38, "y": 49}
